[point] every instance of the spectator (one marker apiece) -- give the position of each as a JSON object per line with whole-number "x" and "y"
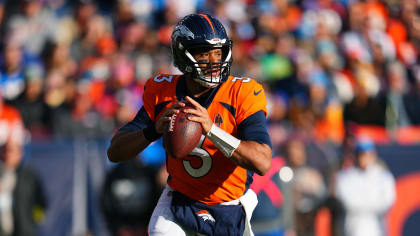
{"x": 279, "y": 126}
{"x": 413, "y": 96}
{"x": 82, "y": 120}
{"x": 397, "y": 97}
{"x": 11, "y": 72}
{"x": 129, "y": 195}
{"x": 32, "y": 27}
{"x": 11, "y": 126}
{"x": 34, "y": 111}
{"x": 322, "y": 155}
{"x": 326, "y": 110}
{"x": 2, "y": 7}
{"x": 21, "y": 193}
{"x": 308, "y": 187}
{"x": 367, "y": 191}
{"x": 274, "y": 214}
{"x": 56, "y": 56}
{"x": 365, "y": 108}
{"x": 91, "y": 27}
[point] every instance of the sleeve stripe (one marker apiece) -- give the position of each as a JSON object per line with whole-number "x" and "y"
{"x": 230, "y": 108}
{"x": 159, "y": 107}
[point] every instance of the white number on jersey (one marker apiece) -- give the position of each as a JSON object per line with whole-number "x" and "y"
{"x": 205, "y": 157}
{"x": 243, "y": 79}
{"x": 163, "y": 78}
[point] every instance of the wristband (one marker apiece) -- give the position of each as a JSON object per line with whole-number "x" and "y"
{"x": 150, "y": 133}
{"x": 224, "y": 141}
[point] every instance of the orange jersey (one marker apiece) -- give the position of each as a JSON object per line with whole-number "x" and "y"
{"x": 11, "y": 124}
{"x": 208, "y": 176}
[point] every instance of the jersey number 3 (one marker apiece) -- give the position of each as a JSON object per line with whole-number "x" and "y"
{"x": 163, "y": 78}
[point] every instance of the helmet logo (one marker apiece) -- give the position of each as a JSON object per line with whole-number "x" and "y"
{"x": 188, "y": 69}
{"x": 182, "y": 30}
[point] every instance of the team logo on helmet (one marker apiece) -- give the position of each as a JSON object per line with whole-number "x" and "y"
{"x": 205, "y": 215}
{"x": 182, "y": 30}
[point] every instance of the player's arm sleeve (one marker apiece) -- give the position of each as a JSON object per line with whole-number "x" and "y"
{"x": 250, "y": 99}
{"x": 254, "y": 128}
{"x": 140, "y": 121}
{"x": 251, "y": 116}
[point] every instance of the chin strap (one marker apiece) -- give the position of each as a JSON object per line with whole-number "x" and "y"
{"x": 225, "y": 142}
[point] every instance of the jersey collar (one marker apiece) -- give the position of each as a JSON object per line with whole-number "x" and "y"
{"x": 205, "y": 101}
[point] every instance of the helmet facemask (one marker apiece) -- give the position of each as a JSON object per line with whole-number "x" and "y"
{"x": 202, "y": 71}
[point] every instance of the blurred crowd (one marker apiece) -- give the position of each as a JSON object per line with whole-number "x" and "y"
{"x": 77, "y": 69}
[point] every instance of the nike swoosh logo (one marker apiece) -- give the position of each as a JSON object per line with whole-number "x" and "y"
{"x": 256, "y": 93}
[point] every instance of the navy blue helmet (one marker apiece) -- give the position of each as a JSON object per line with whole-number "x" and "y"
{"x": 197, "y": 32}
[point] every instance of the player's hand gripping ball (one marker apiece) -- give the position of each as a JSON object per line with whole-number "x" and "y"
{"x": 182, "y": 135}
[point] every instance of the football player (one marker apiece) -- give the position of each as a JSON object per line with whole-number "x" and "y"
{"x": 207, "y": 191}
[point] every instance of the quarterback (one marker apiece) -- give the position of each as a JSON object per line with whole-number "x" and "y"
{"x": 207, "y": 192}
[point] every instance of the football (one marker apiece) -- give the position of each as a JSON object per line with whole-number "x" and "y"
{"x": 182, "y": 135}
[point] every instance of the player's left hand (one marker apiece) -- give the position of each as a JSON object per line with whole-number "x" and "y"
{"x": 200, "y": 115}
